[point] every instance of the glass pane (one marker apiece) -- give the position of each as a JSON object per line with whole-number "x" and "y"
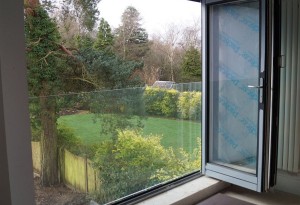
{"x": 114, "y": 143}
{"x": 234, "y": 64}
{"x": 115, "y": 109}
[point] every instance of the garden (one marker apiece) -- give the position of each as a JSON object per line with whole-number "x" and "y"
{"x": 135, "y": 138}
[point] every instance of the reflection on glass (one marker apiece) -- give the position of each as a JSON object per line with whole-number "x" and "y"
{"x": 113, "y": 143}
{"x": 234, "y": 61}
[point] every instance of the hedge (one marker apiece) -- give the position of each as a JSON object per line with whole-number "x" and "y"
{"x": 189, "y": 105}
{"x": 172, "y": 103}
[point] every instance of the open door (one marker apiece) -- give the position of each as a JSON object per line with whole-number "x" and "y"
{"x": 234, "y": 100}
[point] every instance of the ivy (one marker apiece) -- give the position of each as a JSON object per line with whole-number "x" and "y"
{"x": 44, "y": 58}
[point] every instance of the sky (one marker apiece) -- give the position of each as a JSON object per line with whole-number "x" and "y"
{"x": 156, "y": 14}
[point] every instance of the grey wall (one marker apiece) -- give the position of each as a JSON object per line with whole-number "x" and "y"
{"x": 16, "y": 176}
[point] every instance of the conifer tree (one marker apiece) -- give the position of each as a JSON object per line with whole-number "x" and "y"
{"x": 131, "y": 39}
{"x": 191, "y": 65}
{"x": 105, "y": 37}
{"x": 44, "y": 61}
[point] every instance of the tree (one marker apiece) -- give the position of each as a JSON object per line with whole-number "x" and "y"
{"x": 77, "y": 76}
{"x": 43, "y": 63}
{"x": 53, "y": 69}
{"x": 68, "y": 27}
{"x": 191, "y": 36}
{"x": 163, "y": 60}
{"x": 167, "y": 44}
{"x": 131, "y": 39}
{"x": 171, "y": 38}
{"x": 106, "y": 70}
{"x": 154, "y": 61}
{"x": 85, "y": 12}
{"x": 165, "y": 56}
{"x": 105, "y": 39}
{"x": 47, "y": 68}
{"x": 75, "y": 18}
{"x": 191, "y": 65}
{"x": 116, "y": 107}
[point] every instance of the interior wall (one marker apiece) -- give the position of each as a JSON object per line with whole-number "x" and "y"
{"x": 289, "y": 111}
{"x": 16, "y": 174}
{"x": 288, "y": 176}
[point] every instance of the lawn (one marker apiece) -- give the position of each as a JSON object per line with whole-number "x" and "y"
{"x": 174, "y": 133}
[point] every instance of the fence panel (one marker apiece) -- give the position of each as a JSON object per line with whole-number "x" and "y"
{"x": 75, "y": 171}
{"x": 36, "y": 156}
{"x": 92, "y": 177}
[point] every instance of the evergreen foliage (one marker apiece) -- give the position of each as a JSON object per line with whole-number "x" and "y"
{"x": 191, "y": 65}
{"x": 131, "y": 39}
{"x": 44, "y": 58}
{"x": 105, "y": 38}
{"x": 107, "y": 70}
{"x": 85, "y": 10}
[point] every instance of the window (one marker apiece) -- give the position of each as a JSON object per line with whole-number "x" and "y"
{"x": 11, "y": 103}
{"x": 121, "y": 102}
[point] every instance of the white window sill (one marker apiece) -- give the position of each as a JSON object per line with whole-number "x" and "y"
{"x": 188, "y": 193}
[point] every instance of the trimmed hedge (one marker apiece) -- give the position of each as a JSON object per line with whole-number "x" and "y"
{"x": 189, "y": 105}
{"x": 172, "y": 103}
{"x": 161, "y": 102}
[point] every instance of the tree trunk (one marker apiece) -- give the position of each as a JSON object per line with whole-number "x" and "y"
{"x": 49, "y": 161}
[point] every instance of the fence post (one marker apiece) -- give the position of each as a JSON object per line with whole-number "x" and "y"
{"x": 63, "y": 165}
{"x": 96, "y": 181}
{"x": 86, "y": 175}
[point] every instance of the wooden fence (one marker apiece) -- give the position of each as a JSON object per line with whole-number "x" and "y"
{"x": 76, "y": 172}
{"x": 36, "y": 156}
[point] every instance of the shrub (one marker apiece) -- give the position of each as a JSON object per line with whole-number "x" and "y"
{"x": 169, "y": 103}
{"x": 68, "y": 140}
{"x": 189, "y": 105}
{"x": 135, "y": 162}
{"x": 161, "y": 102}
{"x": 172, "y": 103}
{"x": 152, "y": 99}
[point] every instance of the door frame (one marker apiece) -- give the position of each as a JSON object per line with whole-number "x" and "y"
{"x": 267, "y": 149}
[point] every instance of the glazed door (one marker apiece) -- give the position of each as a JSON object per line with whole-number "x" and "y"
{"x": 234, "y": 84}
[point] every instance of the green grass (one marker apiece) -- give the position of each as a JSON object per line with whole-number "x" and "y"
{"x": 174, "y": 133}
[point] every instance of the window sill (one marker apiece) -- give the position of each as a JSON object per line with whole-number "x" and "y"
{"x": 188, "y": 193}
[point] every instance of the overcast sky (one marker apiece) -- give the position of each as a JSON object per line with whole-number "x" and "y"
{"x": 156, "y": 14}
